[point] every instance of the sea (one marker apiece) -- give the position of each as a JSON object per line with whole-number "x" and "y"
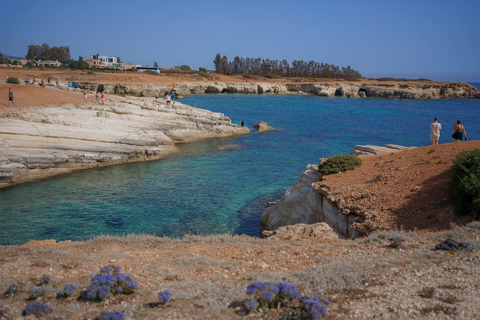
{"x": 221, "y": 186}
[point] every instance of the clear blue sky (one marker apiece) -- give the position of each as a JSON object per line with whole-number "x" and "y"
{"x": 434, "y": 39}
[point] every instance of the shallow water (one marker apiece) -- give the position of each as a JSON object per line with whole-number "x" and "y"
{"x": 203, "y": 190}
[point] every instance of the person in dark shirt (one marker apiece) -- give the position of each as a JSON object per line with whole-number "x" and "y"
{"x": 10, "y": 97}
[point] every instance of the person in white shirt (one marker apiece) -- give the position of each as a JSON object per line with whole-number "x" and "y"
{"x": 435, "y": 128}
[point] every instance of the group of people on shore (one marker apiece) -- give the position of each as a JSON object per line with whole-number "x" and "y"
{"x": 170, "y": 97}
{"x": 435, "y": 128}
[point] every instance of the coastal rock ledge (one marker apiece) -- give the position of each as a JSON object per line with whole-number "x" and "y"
{"x": 39, "y": 142}
{"x": 346, "y": 89}
{"x": 306, "y": 203}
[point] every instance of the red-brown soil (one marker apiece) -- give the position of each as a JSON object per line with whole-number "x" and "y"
{"x": 405, "y": 189}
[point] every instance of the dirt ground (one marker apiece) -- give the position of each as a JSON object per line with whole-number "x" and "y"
{"x": 404, "y": 189}
{"x": 362, "y": 279}
{"x": 35, "y": 96}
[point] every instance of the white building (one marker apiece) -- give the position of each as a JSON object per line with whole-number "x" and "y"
{"x": 110, "y": 62}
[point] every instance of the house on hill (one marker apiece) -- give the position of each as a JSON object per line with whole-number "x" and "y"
{"x": 130, "y": 66}
{"x": 110, "y": 62}
{"x": 94, "y": 63}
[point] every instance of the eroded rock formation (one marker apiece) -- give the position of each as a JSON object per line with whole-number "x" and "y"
{"x": 40, "y": 142}
{"x": 395, "y": 90}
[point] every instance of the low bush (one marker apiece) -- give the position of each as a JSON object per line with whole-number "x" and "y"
{"x": 13, "y": 80}
{"x": 464, "y": 188}
{"x": 109, "y": 280}
{"x": 284, "y": 297}
{"x": 338, "y": 163}
{"x": 272, "y": 76}
{"x": 37, "y": 309}
{"x": 249, "y": 76}
{"x": 38, "y": 292}
{"x": 12, "y": 290}
{"x": 67, "y": 291}
{"x": 153, "y": 73}
{"x": 114, "y": 315}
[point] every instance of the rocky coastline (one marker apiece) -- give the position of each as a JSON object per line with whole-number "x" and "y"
{"x": 394, "y": 90}
{"x": 36, "y": 143}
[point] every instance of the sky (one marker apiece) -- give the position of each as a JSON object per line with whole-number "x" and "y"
{"x": 434, "y": 39}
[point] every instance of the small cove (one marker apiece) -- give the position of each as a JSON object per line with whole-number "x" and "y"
{"x": 205, "y": 190}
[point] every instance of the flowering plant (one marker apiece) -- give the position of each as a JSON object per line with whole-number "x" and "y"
{"x": 109, "y": 280}
{"x": 164, "y": 296}
{"x": 38, "y": 292}
{"x": 267, "y": 295}
{"x": 12, "y": 289}
{"x": 451, "y": 244}
{"x": 37, "y": 309}
{"x": 67, "y": 291}
{"x": 114, "y": 315}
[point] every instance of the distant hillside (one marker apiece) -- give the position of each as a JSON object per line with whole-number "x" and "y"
{"x": 9, "y": 57}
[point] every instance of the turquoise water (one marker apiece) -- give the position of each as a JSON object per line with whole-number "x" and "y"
{"x": 202, "y": 190}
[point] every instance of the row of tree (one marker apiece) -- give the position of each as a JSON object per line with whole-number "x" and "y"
{"x": 298, "y": 68}
{"x": 45, "y": 52}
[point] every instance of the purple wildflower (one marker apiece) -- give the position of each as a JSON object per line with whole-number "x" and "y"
{"x": 45, "y": 279}
{"x": 67, "y": 291}
{"x": 114, "y": 315}
{"x": 38, "y": 292}
{"x": 250, "y": 305}
{"x": 37, "y": 309}
{"x": 12, "y": 289}
{"x": 164, "y": 296}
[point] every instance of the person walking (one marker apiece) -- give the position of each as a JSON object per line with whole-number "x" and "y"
{"x": 10, "y": 97}
{"x": 103, "y": 97}
{"x": 435, "y": 128}
{"x": 459, "y": 131}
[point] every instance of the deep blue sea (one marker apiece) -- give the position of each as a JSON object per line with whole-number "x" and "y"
{"x": 201, "y": 190}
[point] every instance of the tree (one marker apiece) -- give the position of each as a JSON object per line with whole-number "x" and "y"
{"x": 218, "y": 64}
{"x": 82, "y": 65}
{"x": 44, "y": 52}
{"x": 118, "y": 60}
{"x": 33, "y": 52}
{"x": 1, "y": 58}
{"x": 201, "y": 69}
{"x": 184, "y": 67}
{"x": 155, "y": 64}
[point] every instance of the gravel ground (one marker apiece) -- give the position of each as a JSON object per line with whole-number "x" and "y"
{"x": 363, "y": 278}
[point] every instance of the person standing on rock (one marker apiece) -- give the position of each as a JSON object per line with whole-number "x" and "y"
{"x": 156, "y": 96}
{"x": 97, "y": 97}
{"x": 168, "y": 99}
{"x": 10, "y": 97}
{"x": 85, "y": 96}
{"x": 459, "y": 131}
{"x": 173, "y": 98}
{"x": 103, "y": 97}
{"x": 435, "y": 128}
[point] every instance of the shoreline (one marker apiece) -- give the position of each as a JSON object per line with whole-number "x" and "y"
{"x": 42, "y": 142}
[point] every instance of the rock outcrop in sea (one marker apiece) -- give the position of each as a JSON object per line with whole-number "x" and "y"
{"x": 354, "y": 89}
{"x": 44, "y": 141}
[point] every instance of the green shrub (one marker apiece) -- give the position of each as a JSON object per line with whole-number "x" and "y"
{"x": 272, "y": 76}
{"x": 249, "y": 76}
{"x": 339, "y": 163}
{"x": 151, "y": 72}
{"x": 464, "y": 189}
{"x": 13, "y": 80}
